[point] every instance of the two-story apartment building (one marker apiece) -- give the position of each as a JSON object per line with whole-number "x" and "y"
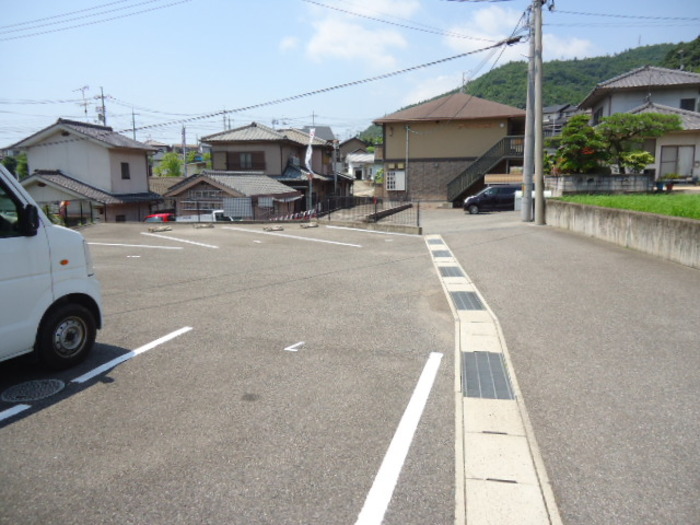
{"x": 442, "y": 149}
{"x": 656, "y": 90}
{"x": 88, "y": 172}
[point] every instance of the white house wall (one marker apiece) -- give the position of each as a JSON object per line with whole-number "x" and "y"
{"x": 624, "y": 102}
{"x": 76, "y": 157}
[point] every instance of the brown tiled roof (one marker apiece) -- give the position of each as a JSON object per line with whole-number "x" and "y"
{"x": 458, "y": 106}
{"x": 161, "y": 185}
{"x": 642, "y": 77}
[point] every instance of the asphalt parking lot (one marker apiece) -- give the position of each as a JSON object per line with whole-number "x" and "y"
{"x": 292, "y": 358}
{"x": 294, "y": 355}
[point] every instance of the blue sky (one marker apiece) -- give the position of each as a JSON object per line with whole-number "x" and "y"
{"x": 174, "y": 61}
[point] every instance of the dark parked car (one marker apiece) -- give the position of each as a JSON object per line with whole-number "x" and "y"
{"x": 493, "y": 198}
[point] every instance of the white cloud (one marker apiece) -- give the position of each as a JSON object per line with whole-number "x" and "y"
{"x": 495, "y": 23}
{"x": 339, "y": 35}
{"x": 339, "y": 39}
{"x": 563, "y": 48}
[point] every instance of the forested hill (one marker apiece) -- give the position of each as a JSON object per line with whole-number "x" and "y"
{"x": 564, "y": 81}
{"x": 569, "y": 81}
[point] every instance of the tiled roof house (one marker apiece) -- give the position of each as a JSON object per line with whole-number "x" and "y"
{"x": 657, "y": 90}
{"x": 88, "y": 171}
{"x": 442, "y": 149}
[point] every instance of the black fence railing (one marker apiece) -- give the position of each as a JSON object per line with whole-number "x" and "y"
{"x": 369, "y": 210}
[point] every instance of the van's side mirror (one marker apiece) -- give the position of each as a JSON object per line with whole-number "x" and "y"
{"x": 29, "y": 222}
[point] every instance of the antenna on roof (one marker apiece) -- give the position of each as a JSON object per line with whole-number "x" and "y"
{"x": 84, "y": 103}
{"x": 465, "y": 81}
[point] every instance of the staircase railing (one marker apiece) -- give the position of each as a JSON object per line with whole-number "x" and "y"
{"x": 506, "y": 148}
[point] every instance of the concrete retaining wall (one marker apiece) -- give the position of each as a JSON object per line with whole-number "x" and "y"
{"x": 672, "y": 238}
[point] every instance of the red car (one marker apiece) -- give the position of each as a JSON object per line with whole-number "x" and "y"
{"x": 160, "y": 217}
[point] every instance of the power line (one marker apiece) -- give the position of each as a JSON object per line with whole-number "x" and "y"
{"x": 95, "y": 21}
{"x": 334, "y": 88}
{"x": 640, "y": 17}
{"x": 404, "y": 26}
{"x": 82, "y": 17}
{"x": 63, "y": 15}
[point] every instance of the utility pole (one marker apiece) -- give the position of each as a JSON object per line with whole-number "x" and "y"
{"x": 102, "y": 109}
{"x": 184, "y": 153}
{"x": 133, "y": 124}
{"x": 529, "y": 158}
{"x": 538, "y": 153}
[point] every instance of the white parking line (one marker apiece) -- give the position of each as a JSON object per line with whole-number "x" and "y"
{"x": 5, "y": 414}
{"x": 180, "y": 240}
{"x": 114, "y": 362}
{"x": 371, "y": 231}
{"x": 136, "y": 246}
{"x": 291, "y": 236}
{"x": 384, "y": 484}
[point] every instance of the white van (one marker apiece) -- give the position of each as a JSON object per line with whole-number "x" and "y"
{"x": 50, "y": 299}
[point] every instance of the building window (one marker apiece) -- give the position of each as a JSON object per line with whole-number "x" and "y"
{"x": 246, "y": 161}
{"x": 677, "y": 160}
{"x": 688, "y": 104}
{"x": 125, "y": 171}
{"x": 396, "y": 180}
{"x": 253, "y": 160}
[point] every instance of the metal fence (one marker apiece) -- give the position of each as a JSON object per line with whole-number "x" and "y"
{"x": 369, "y": 209}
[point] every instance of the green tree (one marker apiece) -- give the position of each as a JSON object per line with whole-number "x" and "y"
{"x": 625, "y": 132}
{"x": 170, "y": 165}
{"x": 685, "y": 55}
{"x": 580, "y": 148}
{"x": 11, "y": 164}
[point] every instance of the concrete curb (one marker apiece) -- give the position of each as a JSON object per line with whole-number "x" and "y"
{"x": 500, "y": 475}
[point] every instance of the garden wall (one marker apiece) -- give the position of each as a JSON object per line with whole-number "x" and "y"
{"x": 673, "y": 238}
{"x": 599, "y": 184}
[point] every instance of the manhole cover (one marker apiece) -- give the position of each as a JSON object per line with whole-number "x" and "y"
{"x": 32, "y": 390}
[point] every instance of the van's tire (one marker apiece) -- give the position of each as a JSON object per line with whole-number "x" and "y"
{"x": 65, "y": 337}
{"x": 473, "y": 209}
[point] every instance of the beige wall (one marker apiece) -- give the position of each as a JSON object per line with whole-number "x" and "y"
{"x": 138, "y": 171}
{"x": 679, "y": 139}
{"x": 276, "y": 156}
{"x": 443, "y": 139}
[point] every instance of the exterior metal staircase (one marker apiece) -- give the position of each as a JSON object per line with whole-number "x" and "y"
{"x": 508, "y": 148}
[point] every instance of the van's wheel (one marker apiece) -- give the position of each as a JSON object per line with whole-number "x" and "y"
{"x": 65, "y": 336}
{"x": 473, "y": 209}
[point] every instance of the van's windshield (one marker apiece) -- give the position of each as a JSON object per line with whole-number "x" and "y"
{"x": 9, "y": 214}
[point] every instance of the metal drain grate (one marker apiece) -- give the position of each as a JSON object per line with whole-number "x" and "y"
{"x": 484, "y": 376}
{"x": 451, "y": 271}
{"x": 442, "y": 253}
{"x": 467, "y": 301}
{"x": 32, "y": 390}
{"x": 435, "y": 241}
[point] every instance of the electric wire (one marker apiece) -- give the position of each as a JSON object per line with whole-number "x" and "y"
{"x": 94, "y": 22}
{"x": 403, "y": 26}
